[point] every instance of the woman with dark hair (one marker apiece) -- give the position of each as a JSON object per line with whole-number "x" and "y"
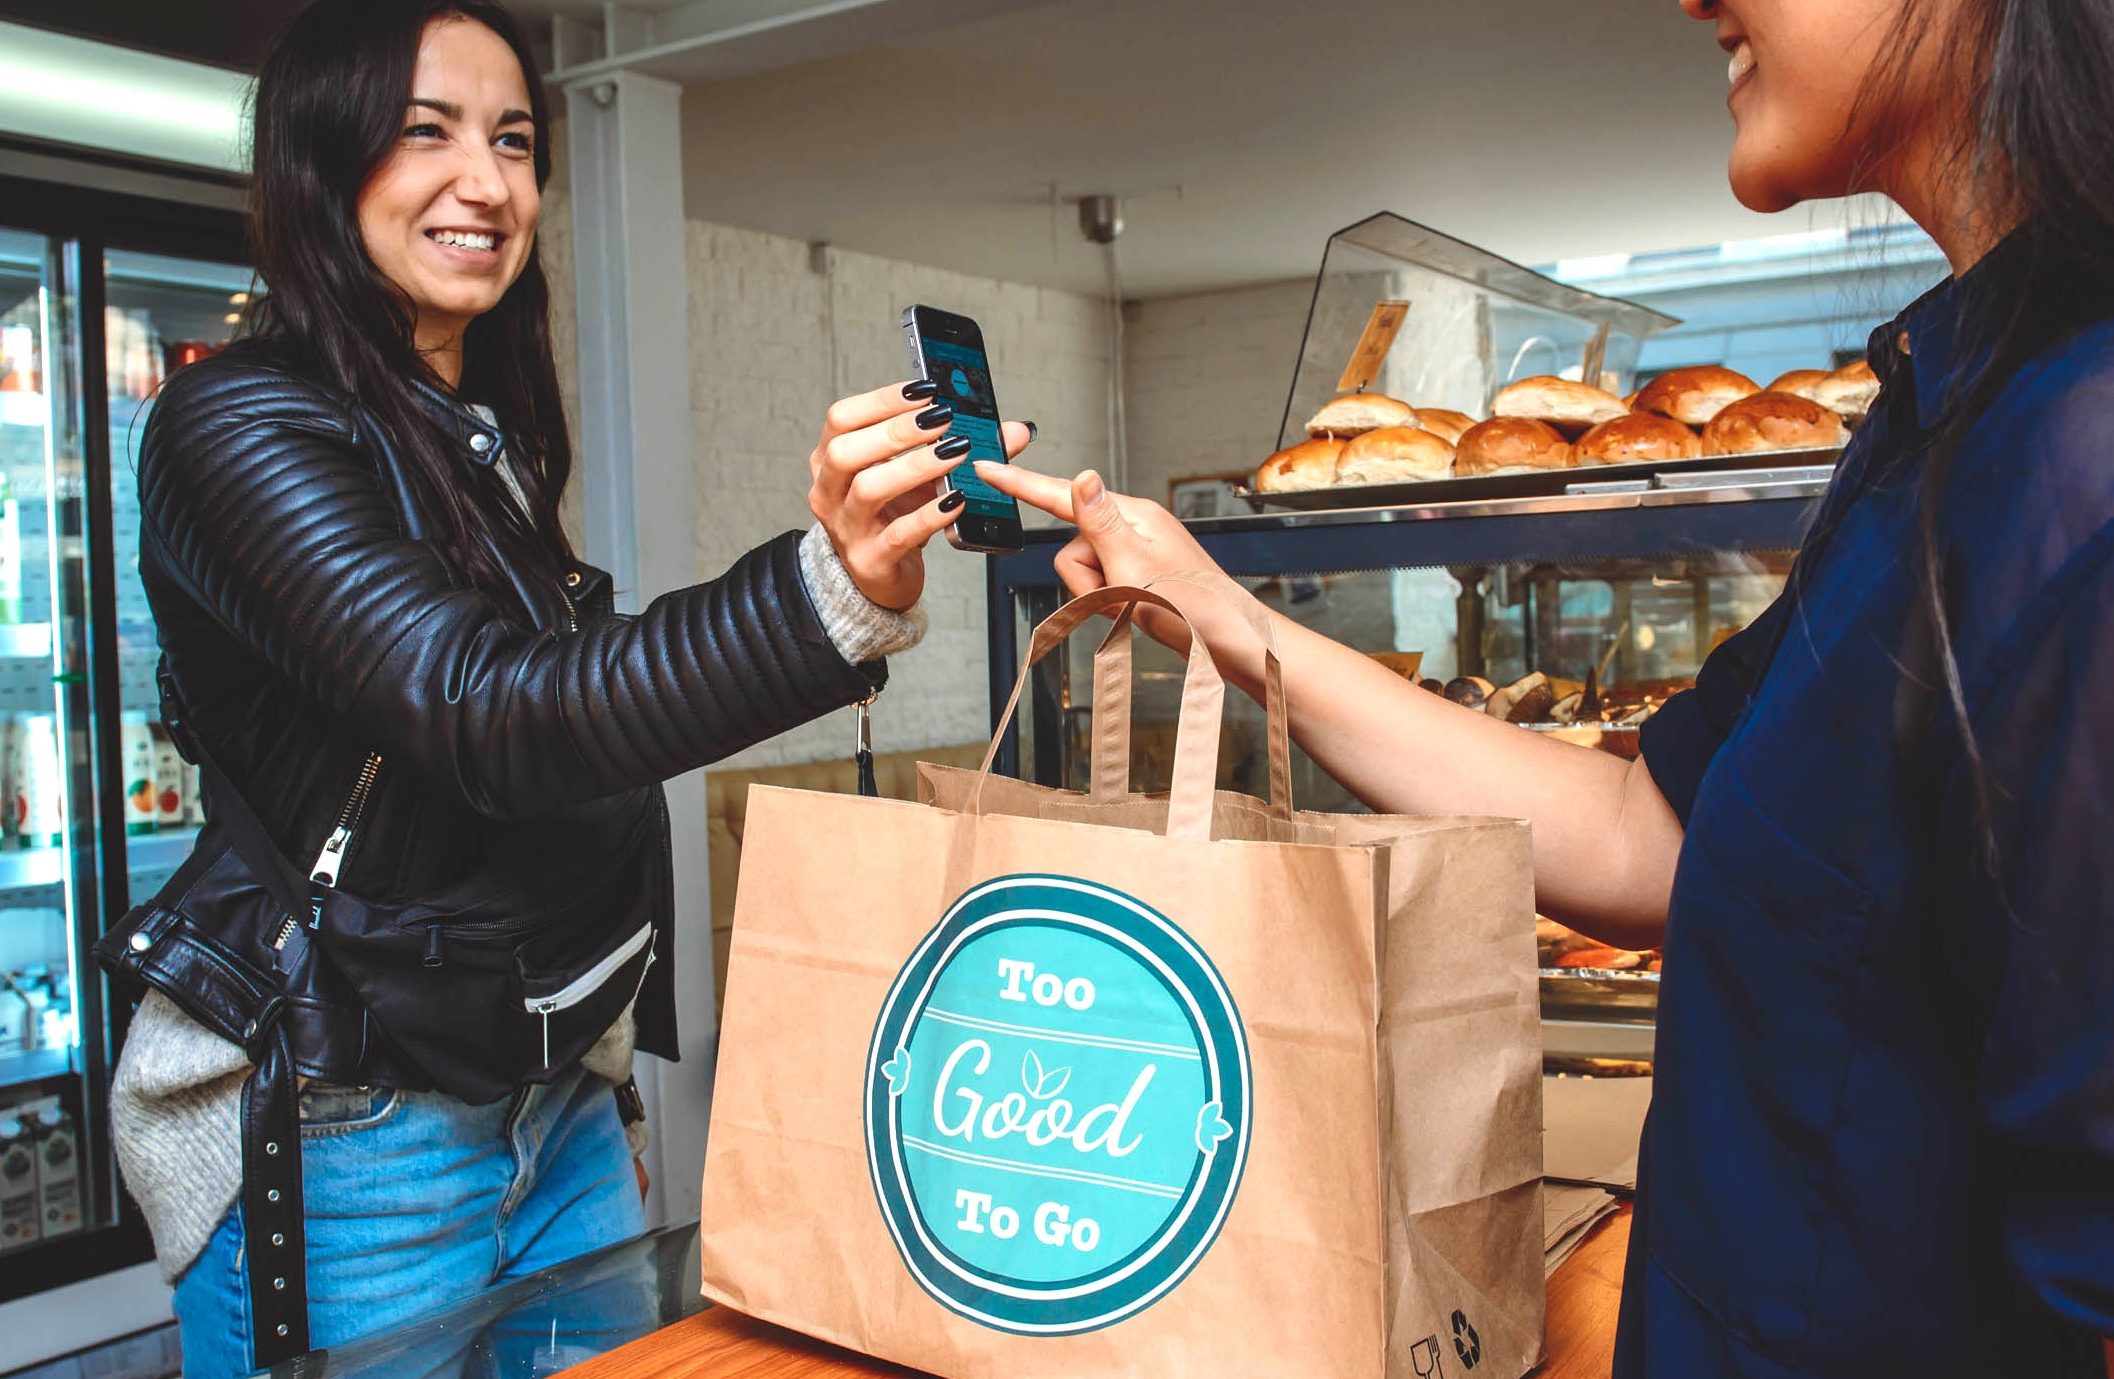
{"x": 382, "y": 649}
{"x": 1874, "y": 838}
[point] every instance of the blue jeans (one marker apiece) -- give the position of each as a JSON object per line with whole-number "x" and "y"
{"x": 417, "y": 1201}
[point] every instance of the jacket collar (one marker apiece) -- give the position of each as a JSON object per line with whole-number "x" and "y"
{"x": 481, "y": 440}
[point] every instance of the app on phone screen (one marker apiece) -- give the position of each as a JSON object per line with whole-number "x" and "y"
{"x": 964, "y": 381}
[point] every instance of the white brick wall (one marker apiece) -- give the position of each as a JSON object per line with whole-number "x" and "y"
{"x": 1207, "y": 374}
{"x": 1206, "y": 378}
{"x": 772, "y": 343}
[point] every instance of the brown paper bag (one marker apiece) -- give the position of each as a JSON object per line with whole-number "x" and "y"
{"x": 1019, "y": 1082}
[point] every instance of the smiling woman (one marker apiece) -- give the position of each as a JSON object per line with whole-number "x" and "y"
{"x": 380, "y": 646}
{"x": 451, "y": 217}
{"x": 1862, "y": 1158}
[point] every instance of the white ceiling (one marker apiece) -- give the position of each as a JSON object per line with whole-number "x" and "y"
{"x": 1542, "y": 129}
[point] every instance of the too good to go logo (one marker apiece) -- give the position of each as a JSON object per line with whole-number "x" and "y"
{"x": 1058, "y": 1105}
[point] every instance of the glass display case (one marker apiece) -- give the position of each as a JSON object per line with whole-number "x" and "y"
{"x": 1625, "y": 587}
{"x": 1475, "y": 322}
{"x": 100, "y": 297}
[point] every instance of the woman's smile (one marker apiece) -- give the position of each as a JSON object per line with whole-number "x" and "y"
{"x": 468, "y": 249}
{"x": 1742, "y": 65}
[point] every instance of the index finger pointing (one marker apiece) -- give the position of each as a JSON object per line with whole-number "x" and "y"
{"x": 1053, "y": 496}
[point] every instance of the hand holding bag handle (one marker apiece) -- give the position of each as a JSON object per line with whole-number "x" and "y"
{"x": 1111, "y": 733}
{"x": 1197, "y": 730}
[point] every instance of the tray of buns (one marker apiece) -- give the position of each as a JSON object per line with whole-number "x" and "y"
{"x": 1546, "y": 436}
{"x": 1608, "y": 718}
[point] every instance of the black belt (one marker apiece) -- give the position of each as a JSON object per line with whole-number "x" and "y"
{"x": 164, "y": 950}
{"x": 272, "y": 1210}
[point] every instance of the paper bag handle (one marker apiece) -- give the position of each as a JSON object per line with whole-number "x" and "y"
{"x": 1195, "y": 780}
{"x": 1109, "y": 771}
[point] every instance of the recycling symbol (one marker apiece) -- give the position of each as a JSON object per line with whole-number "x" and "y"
{"x": 1466, "y": 1343}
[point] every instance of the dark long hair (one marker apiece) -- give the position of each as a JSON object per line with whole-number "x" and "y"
{"x": 2034, "y": 137}
{"x": 330, "y": 105}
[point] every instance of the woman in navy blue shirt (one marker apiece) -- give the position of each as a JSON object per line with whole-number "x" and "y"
{"x": 1877, "y": 840}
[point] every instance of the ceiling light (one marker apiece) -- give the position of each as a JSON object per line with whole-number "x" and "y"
{"x": 72, "y": 90}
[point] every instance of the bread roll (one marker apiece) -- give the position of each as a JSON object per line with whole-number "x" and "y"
{"x": 1799, "y": 381}
{"x": 1773, "y": 421}
{"x": 1394, "y": 455}
{"x": 1505, "y": 444}
{"x": 1444, "y": 423}
{"x": 1638, "y": 436}
{"x": 1309, "y": 464}
{"x": 1354, "y": 414}
{"x": 1469, "y": 691}
{"x": 1693, "y": 396}
{"x": 1571, "y": 408}
{"x": 1849, "y": 391}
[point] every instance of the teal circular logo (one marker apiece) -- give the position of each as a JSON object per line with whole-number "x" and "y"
{"x": 1058, "y": 1099}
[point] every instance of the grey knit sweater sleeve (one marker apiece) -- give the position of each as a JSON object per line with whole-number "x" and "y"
{"x": 861, "y": 629}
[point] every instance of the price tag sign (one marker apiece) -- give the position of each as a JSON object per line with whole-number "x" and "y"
{"x": 1596, "y": 354}
{"x": 1372, "y": 348}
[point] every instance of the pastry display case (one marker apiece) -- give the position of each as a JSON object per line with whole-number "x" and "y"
{"x": 1431, "y": 371}
{"x": 1475, "y": 322}
{"x": 1604, "y": 599}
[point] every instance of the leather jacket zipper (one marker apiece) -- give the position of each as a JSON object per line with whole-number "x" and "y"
{"x": 331, "y": 860}
{"x": 572, "y": 615}
{"x": 332, "y": 857}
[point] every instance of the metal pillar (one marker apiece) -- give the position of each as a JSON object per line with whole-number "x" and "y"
{"x": 631, "y": 285}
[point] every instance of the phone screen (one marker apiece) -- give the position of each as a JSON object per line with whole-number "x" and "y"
{"x": 964, "y": 379}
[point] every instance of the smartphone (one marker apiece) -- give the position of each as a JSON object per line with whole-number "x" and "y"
{"x": 949, "y": 350}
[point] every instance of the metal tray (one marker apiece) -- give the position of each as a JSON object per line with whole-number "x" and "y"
{"x": 1592, "y": 993}
{"x": 1639, "y": 475}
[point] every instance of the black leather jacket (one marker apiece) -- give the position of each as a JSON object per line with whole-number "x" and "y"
{"x": 306, "y": 624}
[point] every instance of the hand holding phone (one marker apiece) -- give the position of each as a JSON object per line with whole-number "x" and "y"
{"x": 879, "y": 489}
{"x": 947, "y": 349}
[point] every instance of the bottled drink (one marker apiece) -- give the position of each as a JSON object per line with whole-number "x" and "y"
{"x": 40, "y": 801}
{"x": 170, "y": 780}
{"x": 19, "y": 1210}
{"x": 136, "y": 751}
{"x": 8, "y": 831}
{"x": 58, "y": 1172}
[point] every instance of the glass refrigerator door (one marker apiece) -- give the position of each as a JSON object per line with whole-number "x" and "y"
{"x": 50, "y": 1043}
{"x": 160, "y": 313}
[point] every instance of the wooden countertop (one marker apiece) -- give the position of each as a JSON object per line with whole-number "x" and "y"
{"x": 720, "y": 1343}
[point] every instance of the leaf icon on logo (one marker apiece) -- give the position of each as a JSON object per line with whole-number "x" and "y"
{"x": 1211, "y": 1127}
{"x": 1042, "y": 1085}
{"x": 897, "y": 1071}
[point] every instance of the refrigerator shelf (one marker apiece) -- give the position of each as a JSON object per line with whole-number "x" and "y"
{"x": 32, "y": 868}
{"x": 19, "y": 1069}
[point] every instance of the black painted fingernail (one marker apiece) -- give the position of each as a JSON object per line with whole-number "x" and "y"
{"x": 933, "y": 418}
{"x": 952, "y": 448}
{"x": 1033, "y": 429}
{"x": 952, "y": 501}
{"x": 919, "y": 390}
